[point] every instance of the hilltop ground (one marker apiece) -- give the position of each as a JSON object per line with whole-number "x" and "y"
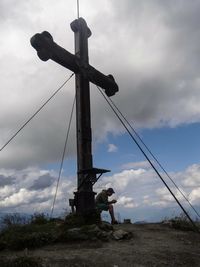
{"x": 152, "y": 245}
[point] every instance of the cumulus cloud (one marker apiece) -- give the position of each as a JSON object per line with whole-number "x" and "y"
{"x": 6, "y": 180}
{"x": 143, "y": 188}
{"x": 188, "y": 184}
{"x": 136, "y": 165}
{"x": 192, "y": 176}
{"x": 23, "y": 196}
{"x": 120, "y": 181}
{"x": 42, "y": 182}
{"x": 112, "y": 148}
{"x": 34, "y": 190}
{"x": 126, "y": 202}
{"x": 153, "y": 52}
{"x": 194, "y": 196}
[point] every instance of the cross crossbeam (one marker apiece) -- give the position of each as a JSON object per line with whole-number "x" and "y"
{"x": 47, "y": 49}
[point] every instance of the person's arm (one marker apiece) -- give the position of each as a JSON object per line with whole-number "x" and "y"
{"x": 112, "y": 201}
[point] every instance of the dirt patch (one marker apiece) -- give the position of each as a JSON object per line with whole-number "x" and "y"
{"x": 151, "y": 245}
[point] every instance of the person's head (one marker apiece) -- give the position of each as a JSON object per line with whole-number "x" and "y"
{"x": 110, "y": 191}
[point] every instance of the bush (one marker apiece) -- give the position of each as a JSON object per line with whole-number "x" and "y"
{"x": 39, "y": 218}
{"x": 14, "y": 219}
{"x": 76, "y": 220}
{"x": 28, "y": 236}
{"x": 182, "y": 222}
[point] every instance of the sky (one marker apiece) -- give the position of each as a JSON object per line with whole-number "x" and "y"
{"x": 152, "y": 48}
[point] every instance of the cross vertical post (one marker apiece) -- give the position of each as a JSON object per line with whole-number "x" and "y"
{"x": 84, "y": 197}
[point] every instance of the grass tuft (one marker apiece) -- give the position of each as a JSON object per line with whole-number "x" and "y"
{"x": 182, "y": 222}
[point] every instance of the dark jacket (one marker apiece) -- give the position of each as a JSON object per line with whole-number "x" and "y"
{"x": 102, "y": 198}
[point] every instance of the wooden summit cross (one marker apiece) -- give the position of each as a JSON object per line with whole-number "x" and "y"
{"x": 79, "y": 64}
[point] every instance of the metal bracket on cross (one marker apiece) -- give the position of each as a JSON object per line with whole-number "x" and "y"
{"x": 90, "y": 175}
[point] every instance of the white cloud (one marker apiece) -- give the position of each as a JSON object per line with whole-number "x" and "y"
{"x": 192, "y": 176}
{"x": 138, "y": 189}
{"x": 159, "y": 42}
{"x": 126, "y": 202}
{"x": 164, "y": 194}
{"x": 147, "y": 200}
{"x": 120, "y": 181}
{"x": 33, "y": 190}
{"x": 146, "y": 189}
{"x": 194, "y": 196}
{"x": 136, "y": 165}
{"x": 18, "y": 198}
{"x": 6, "y": 191}
{"x": 112, "y": 148}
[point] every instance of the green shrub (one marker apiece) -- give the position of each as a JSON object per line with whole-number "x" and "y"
{"x": 76, "y": 220}
{"x": 182, "y": 222}
{"x": 39, "y": 218}
{"x": 14, "y": 219}
{"x": 28, "y": 236}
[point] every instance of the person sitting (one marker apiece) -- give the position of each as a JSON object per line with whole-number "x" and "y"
{"x": 102, "y": 203}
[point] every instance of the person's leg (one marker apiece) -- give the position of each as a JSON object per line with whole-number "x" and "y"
{"x": 101, "y": 207}
{"x": 112, "y": 215}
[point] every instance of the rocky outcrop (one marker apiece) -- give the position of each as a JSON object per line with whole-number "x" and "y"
{"x": 103, "y": 231}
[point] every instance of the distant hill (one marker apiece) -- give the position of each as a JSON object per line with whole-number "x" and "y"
{"x": 140, "y": 222}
